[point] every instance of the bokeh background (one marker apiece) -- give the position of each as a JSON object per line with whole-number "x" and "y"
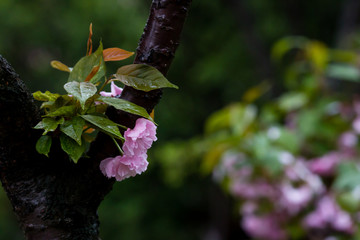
{"x": 257, "y": 79}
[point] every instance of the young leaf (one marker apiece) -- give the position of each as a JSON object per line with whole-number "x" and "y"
{"x": 126, "y": 106}
{"x": 60, "y": 66}
{"x": 116, "y": 54}
{"x": 74, "y": 150}
{"x": 104, "y": 125}
{"x": 66, "y": 111}
{"x": 82, "y": 91}
{"x": 43, "y": 145}
{"x": 85, "y": 65}
{"x": 73, "y": 128}
{"x": 89, "y": 42}
{"x": 49, "y": 124}
{"x": 47, "y": 96}
{"x": 142, "y": 77}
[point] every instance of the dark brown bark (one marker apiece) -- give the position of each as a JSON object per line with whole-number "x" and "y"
{"x": 54, "y": 198}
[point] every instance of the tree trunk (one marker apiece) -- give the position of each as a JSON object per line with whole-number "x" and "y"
{"x": 54, "y": 198}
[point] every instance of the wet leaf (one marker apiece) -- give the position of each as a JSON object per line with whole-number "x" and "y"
{"x": 49, "y": 124}
{"x": 104, "y": 125}
{"x": 85, "y": 66}
{"x": 73, "y": 128}
{"x": 43, "y": 145}
{"x": 66, "y": 111}
{"x": 142, "y": 77}
{"x": 126, "y": 106}
{"x": 72, "y": 148}
{"x": 81, "y": 91}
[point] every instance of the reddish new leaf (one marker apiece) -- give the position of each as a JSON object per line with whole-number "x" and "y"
{"x": 89, "y": 42}
{"x": 116, "y": 54}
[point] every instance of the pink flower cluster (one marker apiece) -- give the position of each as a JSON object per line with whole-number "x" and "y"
{"x": 329, "y": 215}
{"x": 137, "y": 142}
{"x": 133, "y": 161}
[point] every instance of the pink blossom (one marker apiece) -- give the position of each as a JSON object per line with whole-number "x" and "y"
{"x": 122, "y": 167}
{"x": 137, "y": 142}
{"x": 263, "y": 227}
{"x": 329, "y": 214}
{"x": 115, "y": 91}
{"x": 139, "y": 139}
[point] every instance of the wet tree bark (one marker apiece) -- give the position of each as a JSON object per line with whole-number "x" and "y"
{"x": 54, "y": 198}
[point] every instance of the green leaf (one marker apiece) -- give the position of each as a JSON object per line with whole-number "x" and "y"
{"x": 81, "y": 91}
{"x": 292, "y": 100}
{"x": 47, "y": 96}
{"x": 142, "y": 77}
{"x": 348, "y": 176}
{"x": 86, "y": 64}
{"x": 71, "y": 147}
{"x": 49, "y": 124}
{"x": 59, "y": 102}
{"x": 238, "y": 117}
{"x": 348, "y": 201}
{"x": 66, "y": 111}
{"x": 344, "y": 72}
{"x": 43, "y": 145}
{"x": 126, "y": 106}
{"x": 104, "y": 125}
{"x": 73, "y": 128}
{"x": 284, "y": 45}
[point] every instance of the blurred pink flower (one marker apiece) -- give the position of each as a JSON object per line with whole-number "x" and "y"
{"x": 115, "y": 91}
{"x": 137, "y": 142}
{"x": 300, "y": 172}
{"x": 356, "y": 125}
{"x": 347, "y": 140}
{"x": 231, "y": 165}
{"x": 295, "y": 199}
{"x": 254, "y": 190}
{"x": 329, "y": 214}
{"x": 325, "y": 165}
{"x": 263, "y": 227}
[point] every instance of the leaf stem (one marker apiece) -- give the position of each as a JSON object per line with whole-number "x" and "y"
{"x": 117, "y": 145}
{"x": 105, "y": 83}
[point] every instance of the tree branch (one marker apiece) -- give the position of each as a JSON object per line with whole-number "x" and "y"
{"x": 53, "y": 197}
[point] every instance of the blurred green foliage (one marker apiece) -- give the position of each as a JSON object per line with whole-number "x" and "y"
{"x": 214, "y": 66}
